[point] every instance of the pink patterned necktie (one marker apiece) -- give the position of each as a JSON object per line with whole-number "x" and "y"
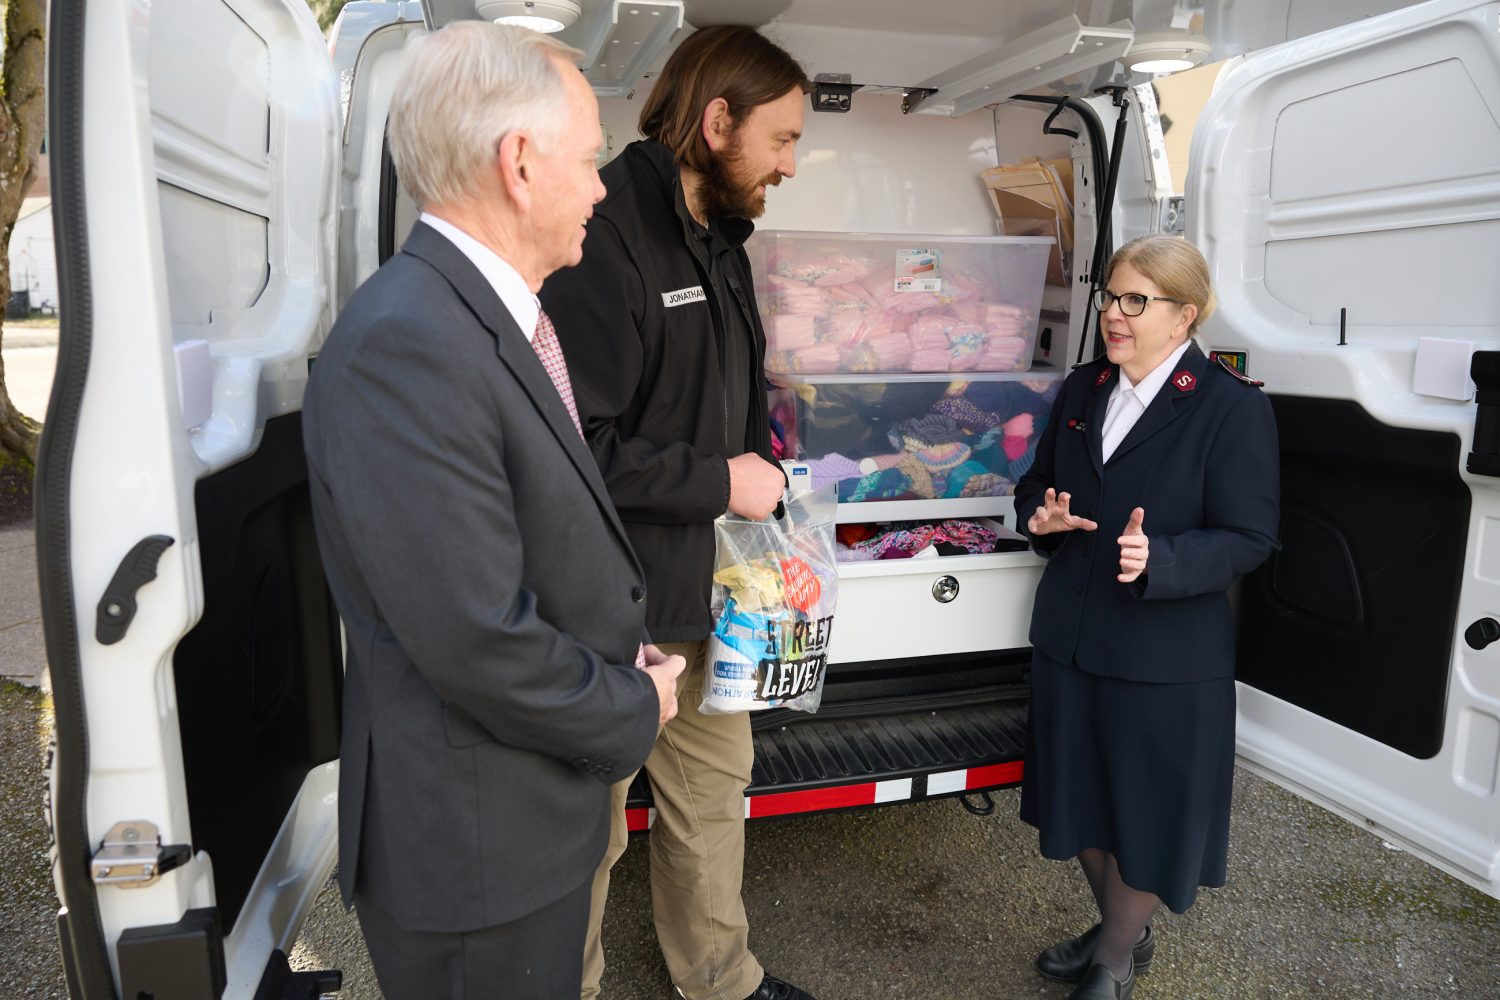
{"x": 550, "y": 352}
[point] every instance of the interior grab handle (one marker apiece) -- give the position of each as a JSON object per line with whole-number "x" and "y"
{"x": 117, "y": 606}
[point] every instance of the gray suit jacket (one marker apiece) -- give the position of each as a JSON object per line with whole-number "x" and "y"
{"x": 491, "y": 604}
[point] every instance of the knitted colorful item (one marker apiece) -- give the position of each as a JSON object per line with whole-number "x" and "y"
{"x": 942, "y": 457}
{"x": 986, "y": 484}
{"x": 923, "y": 432}
{"x": 957, "y": 482}
{"x": 962, "y": 411}
{"x": 874, "y": 463}
{"x": 1018, "y": 431}
{"x": 903, "y": 539}
{"x": 909, "y": 480}
{"x": 833, "y": 467}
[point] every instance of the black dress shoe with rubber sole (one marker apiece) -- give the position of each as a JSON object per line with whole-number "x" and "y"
{"x": 770, "y": 988}
{"x": 1099, "y": 984}
{"x": 1068, "y": 961}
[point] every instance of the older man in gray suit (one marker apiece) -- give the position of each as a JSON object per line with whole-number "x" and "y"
{"x": 496, "y": 681}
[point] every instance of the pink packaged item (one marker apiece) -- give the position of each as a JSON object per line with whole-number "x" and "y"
{"x": 818, "y": 358}
{"x": 892, "y": 351}
{"x": 845, "y": 326}
{"x": 927, "y": 325}
{"x": 930, "y": 359}
{"x": 790, "y": 332}
{"x": 823, "y": 269}
{"x": 965, "y": 343}
{"x": 949, "y": 295}
{"x": 1003, "y": 353}
{"x": 928, "y": 339}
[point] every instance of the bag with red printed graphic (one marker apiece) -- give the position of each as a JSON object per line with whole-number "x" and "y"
{"x": 774, "y": 590}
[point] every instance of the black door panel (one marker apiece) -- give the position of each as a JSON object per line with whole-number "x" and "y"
{"x": 1355, "y": 618}
{"x": 259, "y": 678}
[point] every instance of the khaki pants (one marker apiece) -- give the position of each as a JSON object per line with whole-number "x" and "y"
{"x": 699, "y": 771}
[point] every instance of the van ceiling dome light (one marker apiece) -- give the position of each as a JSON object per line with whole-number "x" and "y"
{"x": 538, "y": 15}
{"x": 1166, "y": 51}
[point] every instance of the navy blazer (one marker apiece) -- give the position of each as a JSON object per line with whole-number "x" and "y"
{"x": 1203, "y": 463}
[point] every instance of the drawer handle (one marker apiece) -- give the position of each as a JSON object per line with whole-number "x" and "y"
{"x": 944, "y": 589}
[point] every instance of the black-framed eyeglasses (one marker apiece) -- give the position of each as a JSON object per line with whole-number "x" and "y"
{"x": 1131, "y": 303}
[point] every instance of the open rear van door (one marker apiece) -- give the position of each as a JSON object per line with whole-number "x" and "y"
{"x": 194, "y": 650}
{"x": 1345, "y": 188}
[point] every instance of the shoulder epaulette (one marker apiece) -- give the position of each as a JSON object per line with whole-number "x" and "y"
{"x": 1241, "y": 376}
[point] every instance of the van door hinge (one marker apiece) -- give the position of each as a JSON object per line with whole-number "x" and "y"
{"x": 131, "y": 856}
{"x": 1173, "y": 216}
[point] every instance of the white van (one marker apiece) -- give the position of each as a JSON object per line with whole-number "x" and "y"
{"x": 221, "y": 186}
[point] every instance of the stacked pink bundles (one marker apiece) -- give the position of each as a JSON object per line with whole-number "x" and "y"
{"x": 891, "y": 351}
{"x": 929, "y": 342}
{"x": 788, "y": 295}
{"x": 1002, "y": 354}
{"x": 966, "y": 344}
{"x": 1002, "y": 320}
{"x": 817, "y": 358}
{"x": 823, "y": 269}
{"x": 790, "y": 331}
{"x": 850, "y": 325}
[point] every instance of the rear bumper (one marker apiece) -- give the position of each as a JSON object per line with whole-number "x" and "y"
{"x": 810, "y": 764}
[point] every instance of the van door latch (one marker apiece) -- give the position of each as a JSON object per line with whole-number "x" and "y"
{"x": 131, "y": 856}
{"x": 1482, "y": 633}
{"x": 117, "y": 606}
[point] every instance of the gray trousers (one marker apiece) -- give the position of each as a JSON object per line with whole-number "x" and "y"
{"x": 538, "y": 957}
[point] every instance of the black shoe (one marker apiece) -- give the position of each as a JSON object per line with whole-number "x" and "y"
{"x": 1067, "y": 961}
{"x": 1099, "y": 984}
{"x": 772, "y": 988}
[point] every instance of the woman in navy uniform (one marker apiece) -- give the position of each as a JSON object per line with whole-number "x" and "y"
{"x": 1155, "y": 487}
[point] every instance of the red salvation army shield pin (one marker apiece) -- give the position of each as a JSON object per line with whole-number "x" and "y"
{"x": 800, "y": 584}
{"x": 1184, "y": 381}
{"x": 1103, "y": 378}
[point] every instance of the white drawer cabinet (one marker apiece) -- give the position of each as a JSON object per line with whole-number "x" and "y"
{"x": 891, "y": 608}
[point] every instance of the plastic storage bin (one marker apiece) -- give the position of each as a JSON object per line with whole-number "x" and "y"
{"x": 913, "y": 438}
{"x": 871, "y": 303}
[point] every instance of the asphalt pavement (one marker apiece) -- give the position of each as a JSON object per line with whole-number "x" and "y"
{"x": 907, "y": 902}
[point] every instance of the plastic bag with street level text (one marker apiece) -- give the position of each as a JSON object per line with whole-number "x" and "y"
{"x": 775, "y": 586}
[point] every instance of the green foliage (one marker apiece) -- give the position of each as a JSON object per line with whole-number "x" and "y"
{"x": 326, "y": 11}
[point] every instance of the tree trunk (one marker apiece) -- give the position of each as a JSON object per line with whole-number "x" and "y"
{"x": 23, "y": 110}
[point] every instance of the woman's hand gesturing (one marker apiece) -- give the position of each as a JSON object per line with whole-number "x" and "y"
{"x": 1053, "y": 516}
{"x": 1135, "y": 547}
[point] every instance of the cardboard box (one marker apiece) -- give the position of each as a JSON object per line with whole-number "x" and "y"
{"x": 1035, "y": 198}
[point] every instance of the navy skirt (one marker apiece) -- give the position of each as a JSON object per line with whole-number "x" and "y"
{"x": 1143, "y": 771}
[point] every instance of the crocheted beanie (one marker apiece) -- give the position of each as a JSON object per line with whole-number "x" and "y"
{"x": 919, "y": 432}
{"x": 938, "y": 457}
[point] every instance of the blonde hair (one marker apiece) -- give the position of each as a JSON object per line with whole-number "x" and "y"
{"x": 1172, "y": 264}
{"x": 463, "y": 89}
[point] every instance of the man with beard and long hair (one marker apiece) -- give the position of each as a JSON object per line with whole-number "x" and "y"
{"x": 665, "y": 346}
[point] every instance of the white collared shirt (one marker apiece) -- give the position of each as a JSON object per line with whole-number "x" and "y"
{"x": 1130, "y": 399}
{"x": 523, "y": 306}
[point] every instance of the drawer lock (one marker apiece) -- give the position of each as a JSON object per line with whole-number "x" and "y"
{"x": 944, "y": 589}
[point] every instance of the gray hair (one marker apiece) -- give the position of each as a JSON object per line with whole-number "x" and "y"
{"x": 463, "y": 89}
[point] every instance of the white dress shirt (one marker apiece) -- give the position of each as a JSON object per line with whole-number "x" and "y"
{"x": 504, "y": 279}
{"x": 1130, "y": 399}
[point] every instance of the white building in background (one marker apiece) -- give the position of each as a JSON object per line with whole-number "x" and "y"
{"x": 33, "y": 264}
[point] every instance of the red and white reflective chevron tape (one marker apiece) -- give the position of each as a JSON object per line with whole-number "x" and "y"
{"x": 867, "y": 793}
